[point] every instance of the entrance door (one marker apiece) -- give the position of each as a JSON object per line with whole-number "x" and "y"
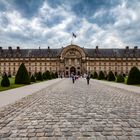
{"x": 73, "y": 70}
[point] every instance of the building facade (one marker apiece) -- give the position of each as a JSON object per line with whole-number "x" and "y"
{"x": 70, "y": 59}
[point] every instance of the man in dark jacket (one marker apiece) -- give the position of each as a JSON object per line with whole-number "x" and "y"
{"x": 88, "y": 78}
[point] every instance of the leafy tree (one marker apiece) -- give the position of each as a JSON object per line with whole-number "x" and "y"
{"x": 39, "y": 76}
{"x": 33, "y": 78}
{"x": 5, "y": 81}
{"x": 22, "y": 76}
{"x": 120, "y": 78}
{"x": 111, "y": 76}
{"x": 95, "y": 75}
{"x": 101, "y": 75}
{"x": 134, "y": 76}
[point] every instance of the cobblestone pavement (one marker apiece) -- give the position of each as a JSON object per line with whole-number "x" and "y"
{"x": 67, "y": 111}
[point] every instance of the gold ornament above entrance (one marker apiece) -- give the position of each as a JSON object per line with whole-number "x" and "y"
{"x": 72, "y": 51}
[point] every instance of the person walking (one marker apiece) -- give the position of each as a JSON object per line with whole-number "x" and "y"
{"x": 88, "y": 78}
{"x": 73, "y": 78}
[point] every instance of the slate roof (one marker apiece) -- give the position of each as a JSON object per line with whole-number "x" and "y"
{"x": 52, "y": 53}
{"x": 112, "y": 52}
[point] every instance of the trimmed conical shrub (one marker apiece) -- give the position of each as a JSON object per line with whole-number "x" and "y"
{"x": 44, "y": 76}
{"x": 124, "y": 75}
{"x": 22, "y": 76}
{"x": 120, "y": 78}
{"x": 9, "y": 75}
{"x": 53, "y": 75}
{"x": 95, "y": 75}
{"x": 111, "y": 76}
{"x": 5, "y": 81}
{"x": 48, "y": 75}
{"x": 101, "y": 75}
{"x": 56, "y": 75}
{"x": 39, "y": 76}
{"x": 33, "y": 78}
{"x": 134, "y": 76}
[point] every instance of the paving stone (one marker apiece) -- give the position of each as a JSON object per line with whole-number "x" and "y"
{"x": 67, "y": 111}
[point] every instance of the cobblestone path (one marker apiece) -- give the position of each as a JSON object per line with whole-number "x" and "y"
{"x": 67, "y": 111}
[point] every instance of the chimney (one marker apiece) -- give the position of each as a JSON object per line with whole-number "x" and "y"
{"x": 0, "y": 49}
{"x": 18, "y": 48}
{"x": 97, "y": 50}
{"x": 127, "y": 48}
{"x": 10, "y": 48}
{"x": 135, "y": 47}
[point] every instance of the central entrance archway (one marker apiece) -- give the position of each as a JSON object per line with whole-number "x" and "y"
{"x": 73, "y": 70}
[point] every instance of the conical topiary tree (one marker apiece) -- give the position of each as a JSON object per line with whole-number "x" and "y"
{"x": 22, "y": 76}
{"x": 101, "y": 75}
{"x": 53, "y": 75}
{"x": 124, "y": 75}
{"x": 39, "y": 76}
{"x": 5, "y": 81}
{"x": 44, "y": 76}
{"x": 133, "y": 76}
{"x": 48, "y": 75}
{"x": 56, "y": 74}
{"x": 9, "y": 75}
{"x": 120, "y": 78}
{"x": 33, "y": 78}
{"x": 111, "y": 76}
{"x": 95, "y": 75}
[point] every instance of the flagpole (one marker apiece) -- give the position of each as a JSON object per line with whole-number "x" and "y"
{"x": 72, "y": 39}
{"x": 73, "y": 36}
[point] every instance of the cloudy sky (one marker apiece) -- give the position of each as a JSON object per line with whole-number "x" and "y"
{"x": 34, "y": 23}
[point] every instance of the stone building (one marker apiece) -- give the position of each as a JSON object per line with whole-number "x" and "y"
{"x": 71, "y": 58}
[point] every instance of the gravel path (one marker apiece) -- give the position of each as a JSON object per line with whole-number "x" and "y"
{"x": 66, "y": 111}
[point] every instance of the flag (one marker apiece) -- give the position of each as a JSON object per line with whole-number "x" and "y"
{"x": 73, "y": 35}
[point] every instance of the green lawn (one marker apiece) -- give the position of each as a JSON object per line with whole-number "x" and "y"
{"x": 12, "y": 84}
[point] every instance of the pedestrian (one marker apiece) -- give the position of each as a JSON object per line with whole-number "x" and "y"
{"x": 88, "y": 78}
{"x": 73, "y": 78}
